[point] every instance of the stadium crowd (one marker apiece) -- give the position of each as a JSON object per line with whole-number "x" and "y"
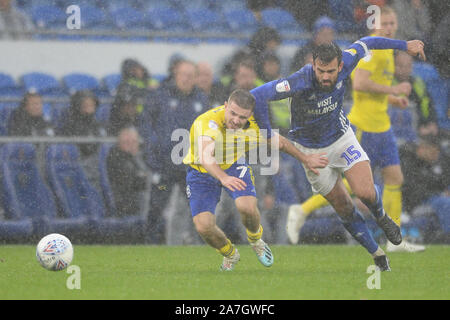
{"x": 136, "y": 177}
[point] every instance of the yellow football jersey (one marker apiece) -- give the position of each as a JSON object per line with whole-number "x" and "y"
{"x": 230, "y": 145}
{"x": 369, "y": 110}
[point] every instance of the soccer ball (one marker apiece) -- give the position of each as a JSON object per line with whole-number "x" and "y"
{"x": 54, "y": 252}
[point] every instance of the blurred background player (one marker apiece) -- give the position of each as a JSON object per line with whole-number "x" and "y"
{"x": 372, "y": 93}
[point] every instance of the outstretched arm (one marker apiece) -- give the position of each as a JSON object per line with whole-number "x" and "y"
{"x": 310, "y": 161}
{"x": 361, "y": 48}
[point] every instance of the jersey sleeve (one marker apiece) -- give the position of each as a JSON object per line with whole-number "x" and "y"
{"x": 278, "y": 90}
{"x": 361, "y": 49}
{"x": 206, "y": 127}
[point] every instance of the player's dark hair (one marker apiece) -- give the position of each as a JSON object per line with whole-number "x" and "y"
{"x": 243, "y": 99}
{"x": 327, "y": 52}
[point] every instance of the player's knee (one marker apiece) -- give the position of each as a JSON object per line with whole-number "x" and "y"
{"x": 366, "y": 195}
{"x": 248, "y": 209}
{"x": 204, "y": 226}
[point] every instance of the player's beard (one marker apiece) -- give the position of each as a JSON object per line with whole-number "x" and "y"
{"x": 328, "y": 87}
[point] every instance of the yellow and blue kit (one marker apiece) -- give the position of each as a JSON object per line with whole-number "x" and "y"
{"x": 231, "y": 146}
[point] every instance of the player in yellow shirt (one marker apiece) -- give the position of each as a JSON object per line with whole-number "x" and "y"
{"x": 219, "y": 140}
{"x": 372, "y": 93}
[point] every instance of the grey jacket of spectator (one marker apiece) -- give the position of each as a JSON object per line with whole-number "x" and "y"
{"x": 15, "y": 24}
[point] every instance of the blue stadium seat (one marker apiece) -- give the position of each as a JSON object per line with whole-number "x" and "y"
{"x": 128, "y": 18}
{"x": 241, "y": 20}
{"x": 79, "y": 205}
{"x": 120, "y": 4}
{"x": 25, "y": 194}
{"x": 48, "y": 17}
{"x": 108, "y": 195}
{"x": 102, "y": 114}
{"x": 75, "y": 196}
{"x": 205, "y": 20}
{"x": 42, "y": 83}
{"x": 111, "y": 82}
{"x": 8, "y": 87}
{"x": 80, "y": 81}
{"x": 229, "y": 5}
{"x": 168, "y": 19}
{"x": 342, "y": 13}
{"x": 94, "y": 18}
{"x": 58, "y": 114}
{"x": 281, "y": 20}
{"x": 5, "y": 112}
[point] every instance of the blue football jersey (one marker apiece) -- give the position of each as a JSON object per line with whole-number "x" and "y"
{"x": 317, "y": 117}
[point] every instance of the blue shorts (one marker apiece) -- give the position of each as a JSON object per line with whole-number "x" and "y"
{"x": 203, "y": 190}
{"x": 381, "y": 147}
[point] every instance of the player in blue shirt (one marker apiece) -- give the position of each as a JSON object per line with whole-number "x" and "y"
{"x": 319, "y": 125}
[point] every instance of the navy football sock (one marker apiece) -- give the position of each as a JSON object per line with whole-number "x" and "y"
{"x": 357, "y": 227}
{"x": 377, "y": 207}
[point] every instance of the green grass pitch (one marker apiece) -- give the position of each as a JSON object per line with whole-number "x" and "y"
{"x": 192, "y": 272}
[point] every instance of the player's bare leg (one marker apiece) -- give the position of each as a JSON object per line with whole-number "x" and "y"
{"x": 251, "y": 219}
{"x": 392, "y": 200}
{"x": 205, "y": 224}
{"x": 353, "y": 221}
{"x": 361, "y": 183}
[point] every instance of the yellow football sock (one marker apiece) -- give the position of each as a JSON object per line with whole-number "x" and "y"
{"x": 228, "y": 249}
{"x": 392, "y": 201}
{"x": 253, "y": 237}
{"x": 317, "y": 201}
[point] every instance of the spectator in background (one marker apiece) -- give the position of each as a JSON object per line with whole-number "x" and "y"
{"x": 174, "y": 60}
{"x": 128, "y": 179}
{"x": 419, "y": 100}
{"x": 265, "y": 39}
{"x": 28, "y": 120}
{"x": 80, "y": 122}
{"x": 323, "y": 32}
{"x": 269, "y": 67}
{"x": 124, "y": 112}
{"x": 134, "y": 74}
{"x": 307, "y": 11}
{"x": 13, "y": 23}
{"x": 174, "y": 106}
{"x": 244, "y": 77}
{"x": 414, "y": 21}
{"x": 427, "y": 173}
{"x": 256, "y": 6}
{"x": 214, "y": 90}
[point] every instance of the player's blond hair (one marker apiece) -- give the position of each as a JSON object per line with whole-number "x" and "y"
{"x": 243, "y": 99}
{"x": 387, "y": 10}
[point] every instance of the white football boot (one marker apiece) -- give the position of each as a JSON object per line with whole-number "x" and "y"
{"x": 295, "y": 221}
{"x": 228, "y": 263}
{"x": 404, "y": 246}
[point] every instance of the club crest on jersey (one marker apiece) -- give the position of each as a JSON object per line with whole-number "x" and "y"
{"x": 213, "y": 125}
{"x": 283, "y": 86}
{"x": 339, "y": 85}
